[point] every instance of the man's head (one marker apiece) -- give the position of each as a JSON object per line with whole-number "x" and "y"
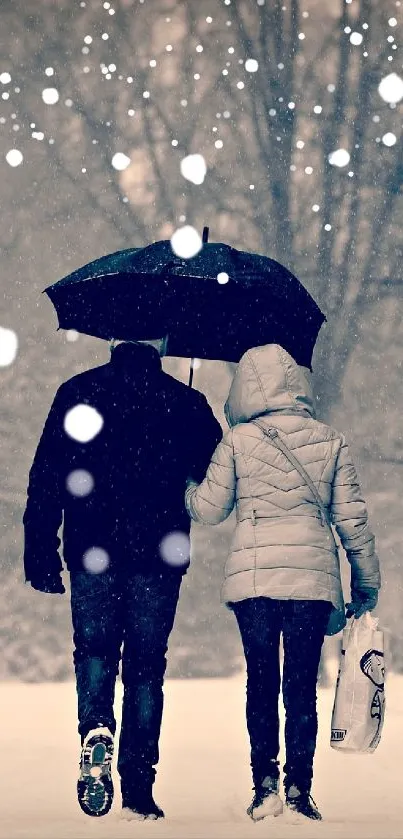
{"x": 159, "y": 344}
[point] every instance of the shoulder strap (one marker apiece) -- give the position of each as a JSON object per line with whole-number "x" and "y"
{"x": 277, "y": 441}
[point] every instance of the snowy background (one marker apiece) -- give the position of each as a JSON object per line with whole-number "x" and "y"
{"x": 279, "y": 126}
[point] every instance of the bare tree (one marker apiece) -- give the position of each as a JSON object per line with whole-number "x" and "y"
{"x": 267, "y": 93}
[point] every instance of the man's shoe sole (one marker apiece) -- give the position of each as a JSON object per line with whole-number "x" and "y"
{"x": 95, "y": 786}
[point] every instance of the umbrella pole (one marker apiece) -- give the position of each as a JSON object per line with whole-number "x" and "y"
{"x": 192, "y": 362}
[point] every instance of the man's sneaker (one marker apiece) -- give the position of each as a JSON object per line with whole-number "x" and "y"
{"x": 266, "y": 801}
{"x": 139, "y": 807}
{"x": 301, "y": 805}
{"x": 94, "y": 786}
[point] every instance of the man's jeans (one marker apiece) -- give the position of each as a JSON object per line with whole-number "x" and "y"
{"x": 303, "y": 623}
{"x": 137, "y": 610}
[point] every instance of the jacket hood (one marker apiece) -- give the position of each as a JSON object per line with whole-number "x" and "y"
{"x": 268, "y": 381}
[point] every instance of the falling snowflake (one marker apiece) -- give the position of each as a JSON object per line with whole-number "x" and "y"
{"x": 251, "y": 65}
{"x": 193, "y": 168}
{"x": 5, "y": 78}
{"x": 222, "y": 278}
{"x": 175, "y": 548}
{"x": 49, "y": 71}
{"x": 356, "y": 38}
{"x": 339, "y": 157}
{"x": 80, "y": 483}
{"x": 83, "y": 423}
{"x": 120, "y": 161}
{"x": 186, "y": 242}
{"x": 96, "y": 560}
{"x": 390, "y": 89}
{"x": 8, "y": 346}
{"x": 72, "y": 335}
{"x": 389, "y": 139}
{"x": 50, "y": 95}
{"x": 14, "y": 157}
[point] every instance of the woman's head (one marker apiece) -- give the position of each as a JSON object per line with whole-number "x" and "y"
{"x": 268, "y": 380}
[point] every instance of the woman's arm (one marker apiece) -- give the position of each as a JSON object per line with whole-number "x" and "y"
{"x": 350, "y": 518}
{"x": 212, "y": 501}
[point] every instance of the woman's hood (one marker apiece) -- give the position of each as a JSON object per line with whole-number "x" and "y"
{"x": 268, "y": 380}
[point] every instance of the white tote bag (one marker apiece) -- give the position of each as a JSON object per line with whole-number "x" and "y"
{"x": 359, "y": 705}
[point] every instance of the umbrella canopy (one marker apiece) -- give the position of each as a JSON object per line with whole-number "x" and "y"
{"x": 215, "y": 305}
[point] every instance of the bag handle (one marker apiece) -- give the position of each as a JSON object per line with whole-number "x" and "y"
{"x": 277, "y": 441}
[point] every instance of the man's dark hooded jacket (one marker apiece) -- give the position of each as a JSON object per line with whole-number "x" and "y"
{"x": 156, "y": 433}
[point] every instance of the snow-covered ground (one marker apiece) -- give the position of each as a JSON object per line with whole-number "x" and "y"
{"x": 203, "y": 783}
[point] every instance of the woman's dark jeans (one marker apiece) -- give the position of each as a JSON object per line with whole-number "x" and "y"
{"x": 303, "y": 623}
{"x": 138, "y": 611}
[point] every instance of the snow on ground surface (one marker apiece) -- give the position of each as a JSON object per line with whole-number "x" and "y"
{"x": 204, "y": 782}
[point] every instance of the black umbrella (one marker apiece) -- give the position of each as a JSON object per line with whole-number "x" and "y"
{"x": 215, "y": 305}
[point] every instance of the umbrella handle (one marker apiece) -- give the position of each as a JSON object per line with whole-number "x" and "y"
{"x": 192, "y": 362}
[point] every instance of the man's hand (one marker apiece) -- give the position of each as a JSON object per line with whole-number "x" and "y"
{"x": 362, "y": 600}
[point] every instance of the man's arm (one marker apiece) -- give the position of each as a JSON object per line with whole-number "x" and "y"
{"x": 44, "y": 509}
{"x": 205, "y": 433}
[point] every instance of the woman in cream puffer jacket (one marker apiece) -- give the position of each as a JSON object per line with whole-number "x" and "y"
{"x": 283, "y": 571}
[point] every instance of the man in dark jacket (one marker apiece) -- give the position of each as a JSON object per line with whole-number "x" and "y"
{"x": 117, "y": 448}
